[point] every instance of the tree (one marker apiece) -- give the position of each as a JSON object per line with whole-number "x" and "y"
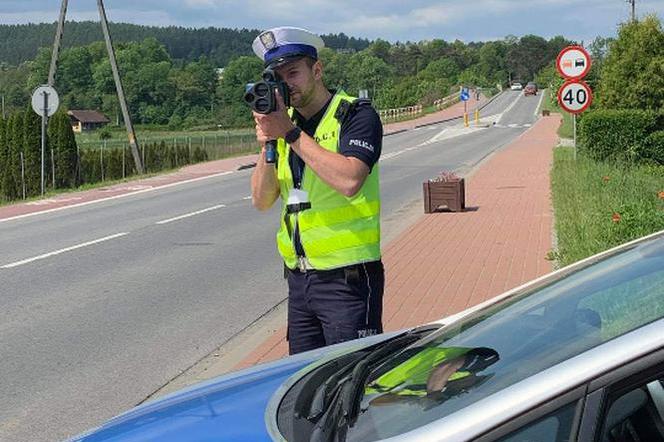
{"x": 231, "y": 89}
{"x": 335, "y": 66}
{"x": 366, "y": 72}
{"x": 3, "y": 153}
{"x": 632, "y": 74}
{"x": 13, "y": 86}
{"x": 195, "y": 84}
{"x": 39, "y": 68}
{"x": 492, "y": 62}
{"x": 527, "y": 57}
{"x": 381, "y": 49}
{"x": 62, "y": 141}
{"x": 440, "y": 69}
{"x": 11, "y": 173}
{"x": 31, "y": 148}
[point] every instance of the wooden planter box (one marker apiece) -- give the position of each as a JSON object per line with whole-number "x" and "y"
{"x": 449, "y": 193}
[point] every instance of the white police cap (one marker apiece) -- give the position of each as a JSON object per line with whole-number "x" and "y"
{"x": 277, "y": 46}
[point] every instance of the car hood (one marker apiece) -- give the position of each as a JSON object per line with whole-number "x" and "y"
{"x": 230, "y": 407}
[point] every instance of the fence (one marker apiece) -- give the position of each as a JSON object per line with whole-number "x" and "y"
{"x": 217, "y": 146}
{"x": 412, "y": 111}
{"x": 448, "y": 101}
{"x": 99, "y": 161}
{"x": 399, "y": 113}
{"x": 112, "y": 159}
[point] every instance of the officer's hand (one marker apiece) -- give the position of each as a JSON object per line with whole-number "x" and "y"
{"x": 273, "y": 125}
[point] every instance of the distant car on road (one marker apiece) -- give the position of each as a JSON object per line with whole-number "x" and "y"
{"x": 530, "y": 89}
{"x": 576, "y": 355}
{"x": 516, "y": 86}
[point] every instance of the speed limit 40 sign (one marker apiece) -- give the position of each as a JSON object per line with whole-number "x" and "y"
{"x": 575, "y": 96}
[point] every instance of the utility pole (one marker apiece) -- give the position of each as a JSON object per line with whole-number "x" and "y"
{"x": 633, "y": 3}
{"x": 114, "y": 67}
{"x": 56, "y": 43}
{"x": 118, "y": 86}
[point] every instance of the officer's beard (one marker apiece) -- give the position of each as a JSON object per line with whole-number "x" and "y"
{"x": 300, "y": 99}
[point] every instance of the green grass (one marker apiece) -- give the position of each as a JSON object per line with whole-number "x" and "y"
{"x": 566, "y": 130}
{"x": 600, "y": 205}
{"x": 155, "y": 133}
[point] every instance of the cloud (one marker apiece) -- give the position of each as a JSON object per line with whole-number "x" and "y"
{"x": 392, "y": 20}
{"x": 201, "y": 3}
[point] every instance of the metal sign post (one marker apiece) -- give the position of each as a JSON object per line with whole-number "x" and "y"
{"x": 45, "y": 102}
{"x": 43, "y": 138}
{"x": 574, "y": 96}
{"x": 574, "y": 122}
{"x": 465, "y": 96}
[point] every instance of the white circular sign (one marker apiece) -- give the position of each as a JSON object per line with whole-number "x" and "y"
{"x": 573, "y": 62}
{"x": 575, "y": 96}
{"x": 52, "y": 100}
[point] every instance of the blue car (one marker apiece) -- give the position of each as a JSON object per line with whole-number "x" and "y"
{"x": 577, "y": 355}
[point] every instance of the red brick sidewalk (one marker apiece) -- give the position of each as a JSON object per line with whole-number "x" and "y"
{"x": 449, "y": 261}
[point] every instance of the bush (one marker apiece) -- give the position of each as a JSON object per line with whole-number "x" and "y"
{"x": 615, "y": 134}
{"x": 653, "y": 147}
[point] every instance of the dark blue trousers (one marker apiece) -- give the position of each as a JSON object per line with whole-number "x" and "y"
{"x": 326, "y": 307}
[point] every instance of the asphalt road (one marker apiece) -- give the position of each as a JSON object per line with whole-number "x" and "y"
{"x": 103, "y": 304}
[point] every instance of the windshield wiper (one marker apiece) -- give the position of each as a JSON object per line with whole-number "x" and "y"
{"x": 345, "y": 390}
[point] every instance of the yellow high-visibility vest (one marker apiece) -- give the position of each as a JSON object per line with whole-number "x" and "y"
{"x": 410, "y": 377}
{"x": 336, "y": 230}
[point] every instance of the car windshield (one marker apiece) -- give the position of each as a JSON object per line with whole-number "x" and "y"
{"x": 513, "y": 340}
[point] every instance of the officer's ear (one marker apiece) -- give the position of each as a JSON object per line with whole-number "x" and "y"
{"x": 317, "y": 70}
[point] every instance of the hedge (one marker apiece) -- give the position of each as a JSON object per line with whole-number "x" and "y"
{"x": 98, "y": 164}
{"x": 653, "y": 147}
{"x": 616, "y": 134}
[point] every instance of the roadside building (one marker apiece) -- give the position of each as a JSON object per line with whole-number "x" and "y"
{"x": 86, "y": 120}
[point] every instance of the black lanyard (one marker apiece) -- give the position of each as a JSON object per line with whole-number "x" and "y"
{"x": 297, "y": 169}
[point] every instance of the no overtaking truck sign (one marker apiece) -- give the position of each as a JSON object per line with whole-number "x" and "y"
{"x": 573, "y": 62}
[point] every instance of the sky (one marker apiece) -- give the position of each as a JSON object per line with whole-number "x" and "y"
{"x": 391, "y": 20}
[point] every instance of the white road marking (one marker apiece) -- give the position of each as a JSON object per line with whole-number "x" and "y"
{"x": 52, "y": 201}
{"x": 67, "y": 249}
{"x": 509, "y": 108}
{"x": 151, "y": 189}
{"x": 247, "y": 198}
{"x": 539, "y": 104}
{"x": 187, "y": 215}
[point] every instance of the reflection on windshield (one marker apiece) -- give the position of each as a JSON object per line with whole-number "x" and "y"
{"x": 515, "y": 339}
{"x": 434, "y": 372}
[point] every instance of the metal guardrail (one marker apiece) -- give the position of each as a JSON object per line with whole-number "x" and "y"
{"x": 395, "y": 114}
{"x": 444, "y": 102}
{"x": 410, "y": 111}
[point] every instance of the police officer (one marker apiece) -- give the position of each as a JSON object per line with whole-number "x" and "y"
{"x": 326, "y": 173}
